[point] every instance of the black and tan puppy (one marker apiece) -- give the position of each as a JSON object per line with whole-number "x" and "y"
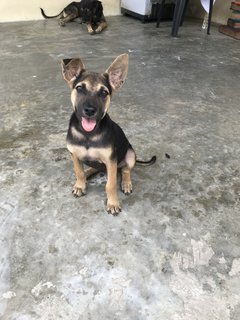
{"x": 88, "y": 11}
{"x": 93, "y": 138}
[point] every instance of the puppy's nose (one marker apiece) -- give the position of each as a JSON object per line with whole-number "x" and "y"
{"x": 89, "y": 111}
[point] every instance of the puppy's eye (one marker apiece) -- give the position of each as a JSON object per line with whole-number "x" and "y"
{"x": 79, "y": 88}
{"x": 103, "y": 93}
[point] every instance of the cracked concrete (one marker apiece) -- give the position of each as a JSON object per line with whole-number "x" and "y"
{"x": 173, "y": 253}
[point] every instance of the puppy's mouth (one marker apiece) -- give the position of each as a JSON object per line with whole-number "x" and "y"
{"x": 88, "y": 124}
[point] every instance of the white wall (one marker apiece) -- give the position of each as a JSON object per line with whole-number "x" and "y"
{"x": 17, "y": 10}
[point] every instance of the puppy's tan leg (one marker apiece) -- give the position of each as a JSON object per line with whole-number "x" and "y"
{"x": 129, "y": 163}
{"x": 90, "y": 29}
{"x": 101, "y": 27}
{"x": 113, "y": 205}
{"x": 67, "y": 18}
{"x": 79, "y": 189}
{"x": 89, "y": 172}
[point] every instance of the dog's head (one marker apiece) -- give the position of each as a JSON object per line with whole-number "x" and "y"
{"x": 91, "y": 92}
{"x": 90, "y": 11}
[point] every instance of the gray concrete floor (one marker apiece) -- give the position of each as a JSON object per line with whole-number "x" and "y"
{"x": 173, "y": 253}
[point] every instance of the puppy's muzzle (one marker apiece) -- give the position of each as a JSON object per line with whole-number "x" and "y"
{"x": 89, "y": 111}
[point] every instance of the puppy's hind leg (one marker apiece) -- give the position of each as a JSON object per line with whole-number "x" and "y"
{"x": 68, "y": 15}
{"x": 128, "y": 165}
{"x": 90, "y": 172}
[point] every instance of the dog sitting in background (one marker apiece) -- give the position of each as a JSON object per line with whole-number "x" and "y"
{"x": 89, "y": 12}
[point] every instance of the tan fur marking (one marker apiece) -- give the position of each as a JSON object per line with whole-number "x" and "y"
{"x": 101, "y": 27}
{"x": 79, "y": 151}
{"x": 92, "y": 87}
{"x": 127, "y": 166}
{"x": 126, "y": 183}
{"x": 94, "y": 154}
{"x": 96, "y": 138}
{"x": 98, "y": 86}
{"x": 79, "y": 188}
{"x": 87, "y": 84}
{"x": 90, "y": 171}
{"x": 107, "y": 105}
{"x": 113, "y": 205}
{"x": 73, "y": 96}
{"x": 130, "y": 158}
{"x": 90, "y": 29}
{"x": 76, "y": 134}
{"x": 101, "y": 154}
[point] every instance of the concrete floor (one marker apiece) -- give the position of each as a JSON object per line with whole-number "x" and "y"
{"x": 173, "y": 253}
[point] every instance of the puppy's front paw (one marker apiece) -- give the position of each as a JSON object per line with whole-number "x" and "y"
{"x": 90, "y": 30}
{"x": 79, "y": 189}
{"x": 113, "y": 208}
{"x": 99, "y": 29}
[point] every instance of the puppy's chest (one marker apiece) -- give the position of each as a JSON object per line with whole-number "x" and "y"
{"x": 87, "y": 150}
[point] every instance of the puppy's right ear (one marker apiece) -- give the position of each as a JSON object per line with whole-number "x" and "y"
{"x": 71, "y": 68}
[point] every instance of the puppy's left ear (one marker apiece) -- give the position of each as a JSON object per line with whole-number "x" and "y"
{"x": 117, "y": 71}
{"x": 71, "y": 68}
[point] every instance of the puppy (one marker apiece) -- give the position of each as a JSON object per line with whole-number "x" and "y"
{"x": 89, "y": 12}
{"x": 93, "y": 138}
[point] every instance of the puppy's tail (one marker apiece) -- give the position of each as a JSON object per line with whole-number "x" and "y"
{"x": 49, "y": 17}
{"x": 146, "y": 163}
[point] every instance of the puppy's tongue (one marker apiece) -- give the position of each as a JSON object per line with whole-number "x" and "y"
{"x": 88, "y": 124}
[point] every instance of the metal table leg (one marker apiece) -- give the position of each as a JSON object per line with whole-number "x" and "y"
{"x": 160, "y": 9}
{"x": 177, "y": 17}
{"x": 210, "y": 16}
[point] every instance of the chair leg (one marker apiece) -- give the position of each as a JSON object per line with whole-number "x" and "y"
{"x": 184, "y": 12}
{"x": 210, "y": 16}
{"x": 178, "y": 12}
{"x": 160, "y": 10}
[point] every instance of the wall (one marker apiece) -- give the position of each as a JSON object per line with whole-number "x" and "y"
{"x": 221, "y": 10}
{"x": 16, "y": 10}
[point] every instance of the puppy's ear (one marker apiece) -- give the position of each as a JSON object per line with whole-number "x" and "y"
{"x": 71, "y": 68}
{"x": 117, "y": 71}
